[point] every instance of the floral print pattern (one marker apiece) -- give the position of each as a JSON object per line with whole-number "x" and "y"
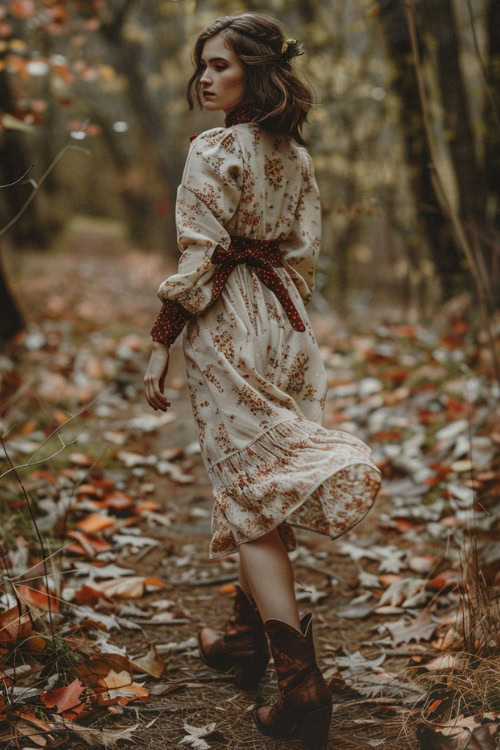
{"x": 270, "y": 461}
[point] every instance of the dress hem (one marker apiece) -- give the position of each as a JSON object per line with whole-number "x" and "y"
{"x": 301, "y": 503}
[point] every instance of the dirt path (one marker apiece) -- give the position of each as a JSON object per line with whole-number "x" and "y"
{"x": 98, "y": 296}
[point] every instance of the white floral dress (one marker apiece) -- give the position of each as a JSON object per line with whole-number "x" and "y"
{"x": 258, "y": 386}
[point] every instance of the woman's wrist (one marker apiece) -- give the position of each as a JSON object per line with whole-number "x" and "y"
{"x": 160, "y": 345}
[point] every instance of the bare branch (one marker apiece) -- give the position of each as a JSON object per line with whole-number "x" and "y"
{"x": 40, "y": 182}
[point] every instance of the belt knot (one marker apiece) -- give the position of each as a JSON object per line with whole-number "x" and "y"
{"x": 263, "y": 256}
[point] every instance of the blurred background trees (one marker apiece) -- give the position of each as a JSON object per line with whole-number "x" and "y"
{"x": 110, "y": 75}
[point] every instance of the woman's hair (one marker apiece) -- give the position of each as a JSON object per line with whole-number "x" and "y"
{"x": 280, "y": 99}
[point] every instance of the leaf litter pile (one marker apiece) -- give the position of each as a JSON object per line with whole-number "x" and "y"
{"x": 105, "y": 526}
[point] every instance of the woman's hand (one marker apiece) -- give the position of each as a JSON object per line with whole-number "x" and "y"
{"x": 154, "y": 379}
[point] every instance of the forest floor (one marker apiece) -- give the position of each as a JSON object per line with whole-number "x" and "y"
{"x": 123, "y": 506}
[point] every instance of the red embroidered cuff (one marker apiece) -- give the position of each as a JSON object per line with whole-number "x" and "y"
{"x": 170, "y": 322}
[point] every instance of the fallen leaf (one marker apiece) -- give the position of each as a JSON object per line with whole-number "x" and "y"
{"x": 400, "y": 591}
{"x": 65, "y": 697}
{"x": 105, "y": 737}
{"x": 195, "y": 735}
{"x": 39, "y": 599}
{"x": 95, "y": 522}
{"x": 419, "y": 629}
{"x": 358, "y": 607}
{"x": 14, "y": 627}
{"x": 151, "y": 664}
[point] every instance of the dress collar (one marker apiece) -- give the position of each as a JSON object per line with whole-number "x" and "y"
{"x": 243, "y": 113}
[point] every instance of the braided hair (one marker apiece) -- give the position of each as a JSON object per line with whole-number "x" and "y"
{"x": 272, "y": 87}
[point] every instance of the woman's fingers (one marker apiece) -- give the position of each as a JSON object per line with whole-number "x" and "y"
{"x": 155, "y": 399}
{"x": 154, "y": 380}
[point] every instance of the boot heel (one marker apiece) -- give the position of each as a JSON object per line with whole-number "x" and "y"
{"x": 314, "y": 728}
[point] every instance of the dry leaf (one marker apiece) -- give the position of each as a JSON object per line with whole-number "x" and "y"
{"x": 38, "y": 598}
{"x": 419, "y": 629}
{"x": 95, "y": 522}
{"x": 64, "y": 697}
{"x": 105, "y": 737}
{"x": 151, "y": 664}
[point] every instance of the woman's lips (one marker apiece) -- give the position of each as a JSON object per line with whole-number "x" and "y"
{"x": 208, "y": 93}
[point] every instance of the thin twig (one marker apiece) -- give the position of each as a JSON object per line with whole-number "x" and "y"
{"x": 40, "y": 182}
{"x": 70, "y": 442}
{"x": 11, "y": 184}
{"x": 42, "y": 546}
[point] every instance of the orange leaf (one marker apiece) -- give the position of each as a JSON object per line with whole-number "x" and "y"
{"x": 28, "y": 427}
{"x": 154, "y": 583}
{"x": 60, "y": 417}
{"x": 87, "y": 595}
{"x": 83, "y": 541}
{"x": 118, "y": 501}
{"x": 146, "y": 505}
{"x": 443, "y": 580}
{"x": 95, "y": 522}
{"x": 75, "y": 547}
{"x": 14, "y": 627}
{"x": 65, "y": 697}
{"x": 433, "y": 706}
{"x": 38, "y": 598}
{"x": 122, "y": 689}
{"x": 227, "y": 588}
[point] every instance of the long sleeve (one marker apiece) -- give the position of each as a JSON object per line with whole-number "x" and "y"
{"x": 301, "y": 248}
{"x": 207, "y": 199}
{"x": 170, "y": 322}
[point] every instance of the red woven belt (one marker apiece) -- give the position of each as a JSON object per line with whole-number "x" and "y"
{"x": 263, "y": 256}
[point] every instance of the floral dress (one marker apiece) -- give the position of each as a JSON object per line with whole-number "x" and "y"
{"x": 256, "y": 379}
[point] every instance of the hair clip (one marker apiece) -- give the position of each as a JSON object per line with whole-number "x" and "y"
{"x": 285, "y": 45}
{"x": 291, "y": 48}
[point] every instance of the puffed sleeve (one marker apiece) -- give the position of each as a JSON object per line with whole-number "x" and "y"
{"x": 301, "y": 248}
{"x": 207, "y": 199}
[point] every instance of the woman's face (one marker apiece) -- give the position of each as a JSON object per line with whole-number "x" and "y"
{"x": 222, "y": 76}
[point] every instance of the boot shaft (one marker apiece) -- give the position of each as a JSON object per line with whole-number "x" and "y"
{"x": 293, "y": 652}
{"x": 245, "y": 617}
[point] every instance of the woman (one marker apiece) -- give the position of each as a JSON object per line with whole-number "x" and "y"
{"x": 248, "y": 223}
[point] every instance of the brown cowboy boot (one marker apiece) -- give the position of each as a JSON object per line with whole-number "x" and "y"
{"x": 242, "y": 644}
{"x": 304, "y": 708}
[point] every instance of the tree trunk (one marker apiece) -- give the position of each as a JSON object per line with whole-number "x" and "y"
{"x": 470, "y": 178}
{"x": 11, "y": 320}
{"x": 152, "y": 119}
{"x": 492, "y": 145}
{"x": 449, "y": 262}
{"x": 28, "y": 231}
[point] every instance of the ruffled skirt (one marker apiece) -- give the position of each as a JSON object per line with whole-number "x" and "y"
{"x": 295, "y": 474}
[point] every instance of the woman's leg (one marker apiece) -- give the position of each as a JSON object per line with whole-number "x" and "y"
{"x": 268, "y": 571}
{"x": 243, "y": 579}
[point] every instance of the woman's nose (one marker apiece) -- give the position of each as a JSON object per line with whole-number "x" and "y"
{"x": 205, "y": 78}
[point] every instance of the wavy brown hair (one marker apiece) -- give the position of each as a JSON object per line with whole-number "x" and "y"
{"x": 272, "y": 87}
